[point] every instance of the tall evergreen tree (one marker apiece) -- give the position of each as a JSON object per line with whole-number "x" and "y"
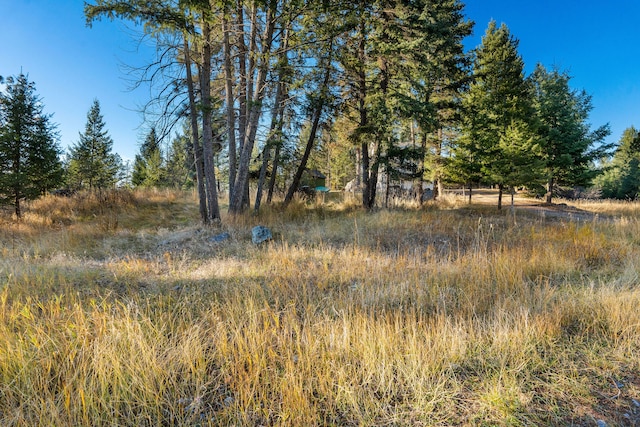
{"x": 440, "y": 75}
{"x": 148, "y": 168}
{"x": 621, "y": 179}
{"x": 568, "y": 146}
{"x": 29, "y": 155}
{"x": 180, "y": 170}
{"x": 499, "y": 110}
{"x": 404, "y": 67}
{"x": 92, "y": 164}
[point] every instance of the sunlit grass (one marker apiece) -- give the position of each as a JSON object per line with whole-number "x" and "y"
{"x": 121, "y": 311}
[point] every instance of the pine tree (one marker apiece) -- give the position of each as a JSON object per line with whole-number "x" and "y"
{"x": 180, "y": 170}
{"x": 499, "y": 111}
{"x": 621, "y": 179}
{"x": 440, "y": 75}
{"x": 568, "y": 146}
{"x": 404, "y": 67}
{"x": 29, "y": 155}
{"x": 92, "y": 164}
{"x": 148, "y": 168}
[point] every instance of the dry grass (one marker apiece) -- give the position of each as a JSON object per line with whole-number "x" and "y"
{"x": 119, "y": 310}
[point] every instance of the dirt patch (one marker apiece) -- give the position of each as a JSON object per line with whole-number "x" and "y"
{"x": 522, "y": 203}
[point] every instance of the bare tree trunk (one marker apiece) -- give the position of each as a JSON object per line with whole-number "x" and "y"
{"x": 314, "y": 129}
{"x": 236, "y": 204}
{"x": 274, "y": 170}
{"x": 305, "y": 157}
{"x": 364, "y": 148}
{"x": 207, "y": 131}
{"x": 242, "y": 93}
{"x": 513, "y": 205}
{"x": 423, "y": 148}
{"x": 437, "y": 184}
{"x": 266, "y": 152}
{"x": 16, "y": 205}
{"x": 549, "y": 195}
{"x": 358, "y": 180}
{"x": 373, "y": 180}
{"x": 500, "y": 191}
{"x": 195, "y": 139}
{"x": 276, "y": 125}
{"x": 362, "y": 95}
{"x": 253, "y": 35}
{"x": 276, "y": 155}
{"x": 228, "y": 90}
{"x": 386, "y": 193}
{"x": 470, "y": 192}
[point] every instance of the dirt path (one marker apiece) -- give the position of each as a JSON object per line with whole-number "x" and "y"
{"x": 527, "y": 204}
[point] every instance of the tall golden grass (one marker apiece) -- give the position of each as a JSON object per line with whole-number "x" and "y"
{"x": 120, "y": 310}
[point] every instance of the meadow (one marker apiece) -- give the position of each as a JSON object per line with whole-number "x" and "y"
{"x": 118, "y": 309}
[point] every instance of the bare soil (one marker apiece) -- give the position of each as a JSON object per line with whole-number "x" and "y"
{"x": 524, "y": 203}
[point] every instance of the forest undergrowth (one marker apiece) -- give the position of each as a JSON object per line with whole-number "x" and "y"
{"x": 118, "y": 309}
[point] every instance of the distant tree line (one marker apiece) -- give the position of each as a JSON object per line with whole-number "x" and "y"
{"x": 363, "y": 90}
{"x": 366, "y": 91}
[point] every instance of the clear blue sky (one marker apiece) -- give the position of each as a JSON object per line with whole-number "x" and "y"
{"x": 71, "y": 64}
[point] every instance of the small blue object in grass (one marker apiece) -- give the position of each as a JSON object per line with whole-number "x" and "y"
{"x": 220, "y": 238}
{"x": 322, "y": 189}
{"x": 260, "y": 234}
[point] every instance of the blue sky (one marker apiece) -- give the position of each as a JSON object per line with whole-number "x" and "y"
{"x": 72, "y": 64}
{"x": 597, "y": 42}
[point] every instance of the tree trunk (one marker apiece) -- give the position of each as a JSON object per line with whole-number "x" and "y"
{"x": 314, "y": 129}
{"x": 384, "y": 78}
{"x": 549, "y": 195}
{"x": 358, "y": 178}
{"x": 266, "y": 153}
{"x": 386, "y": 193}
{"x": 437, "y": 183}
{"x": 242, "y": 93}
{"x": 373, "y": 181}
{"x": 276, "y": 124}
{"x": 276, "y": 155}
{"x": 274, "y": 170}
{"x": 305, "y": 157}
{"x": 500, "y": 191}
{"x": 367, "y": 191}
{"x": 513, "y": 206}
{"x": 253, "y": 35}
{"x": 365, "y": 172}
{"x": 423, "y": 149}
{"x": 197, "y": 148}
{"x": 236, "y": 204}
{"x": 228, "y": 91}
{"x": 470, "y": 191}
{"x": 207, "y": 131}
{"x": 16, "y": 205}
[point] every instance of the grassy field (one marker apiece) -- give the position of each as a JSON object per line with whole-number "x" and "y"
{"x": 118, "y": 310}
